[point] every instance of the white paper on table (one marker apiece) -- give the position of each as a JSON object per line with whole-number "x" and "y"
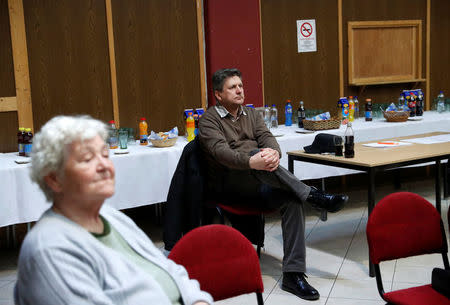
{"x": 442, "y": 138}
{"x": 383, "y": 144}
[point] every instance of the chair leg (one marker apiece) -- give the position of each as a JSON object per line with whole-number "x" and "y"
{"x": 446, "y": 180}
{"x": 259, "y": 298}
{"x": 260, "y": 236}
{"x": 222, "y": 218}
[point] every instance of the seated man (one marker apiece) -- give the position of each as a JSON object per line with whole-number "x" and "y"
{"x": 243, "y": 162}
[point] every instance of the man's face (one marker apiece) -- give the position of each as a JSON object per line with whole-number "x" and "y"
{"x": 232, "y": 93}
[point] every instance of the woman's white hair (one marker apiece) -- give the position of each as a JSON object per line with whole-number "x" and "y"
{"x": 50, "y": 142}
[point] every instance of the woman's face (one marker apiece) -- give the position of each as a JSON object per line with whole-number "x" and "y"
{"x": 88, "y": 173}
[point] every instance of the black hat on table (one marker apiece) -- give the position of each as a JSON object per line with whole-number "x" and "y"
{"x": 323, "y": 142}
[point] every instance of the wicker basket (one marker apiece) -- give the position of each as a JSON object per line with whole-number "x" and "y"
{"x": 164, "y": 143}
{"x": 396, "y": 116}
{"x": 322, "y": 125}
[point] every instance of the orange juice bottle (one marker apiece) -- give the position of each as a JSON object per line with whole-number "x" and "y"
{"x": 143, "y": 133}
{"x": 190, "y": 127}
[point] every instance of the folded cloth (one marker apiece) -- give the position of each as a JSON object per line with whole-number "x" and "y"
{"x": 440, "y": 281}
{"x": 323, "y": 142}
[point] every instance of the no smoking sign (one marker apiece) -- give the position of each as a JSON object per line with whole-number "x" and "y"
{"x": 306, "y": 29}
{"x": 306, "y": 35}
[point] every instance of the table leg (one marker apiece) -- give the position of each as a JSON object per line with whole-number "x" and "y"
{"x": 438, "y": 186}
{"x": 445, "y": 173}
{"x": 8, "y": 240}
{"x": 291, "y": 164}
{"x": 14, "y": 236}
{"x": 370, "y": 206}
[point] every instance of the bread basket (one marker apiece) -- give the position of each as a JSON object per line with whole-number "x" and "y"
{"x": 396, "y": 116}
{"x": 164, "y": 142}
{"x": 332, "y": 123}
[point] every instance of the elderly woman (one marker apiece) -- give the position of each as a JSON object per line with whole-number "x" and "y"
{"x": 82, "y": 251}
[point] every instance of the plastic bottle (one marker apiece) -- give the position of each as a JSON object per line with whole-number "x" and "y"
{"x": 345, "y": 110}
{"x": 267, "y": 121}
{"x": 401, "y": 102}
{"x": 28, "y": 142}
{"x": 143, "y": 132}
{"x": 351, "y": 109}
{"x": 355, "y": 100}
{"x": 349, "y": 141}
{"x": 301, "y": 114}
{"x": 440, "y": 102}
{"x": 288, "y": 113}
{"x": 196, "y": 117}
{"x": 20, "y": 141}
{"x": 274, "y": 116}
{"x": 190, "y": 127}
{"x": 368, "y": 110}
{"x": 419, "y": 104}
{"x": 112, "y": 139}
{"x": 412, "y": 105}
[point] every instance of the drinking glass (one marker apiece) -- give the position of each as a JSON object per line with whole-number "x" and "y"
{"x": 338, "y": 146}
{"x": 123, "y": 138}
{"x": 131, "y": 138}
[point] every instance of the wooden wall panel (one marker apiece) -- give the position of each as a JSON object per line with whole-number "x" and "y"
{"x": 8, "y": 120}
{"x": 157, "y": 59}
{"x": 68, "y": 58}
{"x": 440, "y": 48}
{"x": 369, "y": 10}
{"x": 312, "y": 77}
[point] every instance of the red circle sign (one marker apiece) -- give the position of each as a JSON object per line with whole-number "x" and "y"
{"x": 306, "y": 29}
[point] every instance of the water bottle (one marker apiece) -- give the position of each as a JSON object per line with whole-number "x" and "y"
{"x": 349, "y": 141}
{"x": 368, "y": 113}
{"x": 112, "y": 139}
{"x": 288, "y": 113}
{"x": 267, "y": 121}
{"x": 301, "y": 114}
{"x": 440, "y": 102}
{"x": 355, "y": 100}
{"x": 401, "y": 102}
{"x": 274, "y": 116}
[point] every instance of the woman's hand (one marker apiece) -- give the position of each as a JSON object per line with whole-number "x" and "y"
{"x": 201, "y": 303}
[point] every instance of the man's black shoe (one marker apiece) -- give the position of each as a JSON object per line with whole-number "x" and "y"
{"x": 295, "y": 282}
{"x": 324, "y": 201}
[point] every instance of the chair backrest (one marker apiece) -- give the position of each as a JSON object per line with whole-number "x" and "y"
{"x": 404, "y": 224}
{"x": 221, "y": 259}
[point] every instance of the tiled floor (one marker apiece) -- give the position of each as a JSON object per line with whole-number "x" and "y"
{"x": 337, "y": 257}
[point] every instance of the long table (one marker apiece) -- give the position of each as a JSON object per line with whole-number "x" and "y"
{"x": 143, "y": 176}
{"x": 373, "y": 160}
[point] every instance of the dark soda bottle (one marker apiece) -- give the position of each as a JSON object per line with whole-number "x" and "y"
{"x": 349, "y": 141}
{"x": 301, "y": 114}
{"x": 419, "y": 104}
{"x": 20, "y": 141}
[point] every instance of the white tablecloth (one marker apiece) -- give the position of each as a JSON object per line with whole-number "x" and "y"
{"x": 143, "y": 176}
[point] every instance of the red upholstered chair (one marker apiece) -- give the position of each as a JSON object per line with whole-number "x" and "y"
{"x": 222, "y": 260}
{"x": 402, "y": 225}
{"x": 243, "y": 210}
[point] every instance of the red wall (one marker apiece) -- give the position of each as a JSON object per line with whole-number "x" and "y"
{"x": 233, "y": 40}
